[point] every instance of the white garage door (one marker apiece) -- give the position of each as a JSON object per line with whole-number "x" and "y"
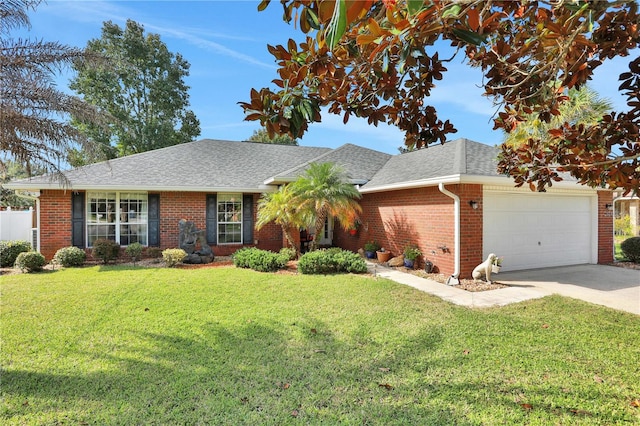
{"x": 538, "y": 230}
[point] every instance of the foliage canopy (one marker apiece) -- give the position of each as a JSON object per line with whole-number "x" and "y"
{"x": 141, "y": 86}
{"x": 376, "y": 60}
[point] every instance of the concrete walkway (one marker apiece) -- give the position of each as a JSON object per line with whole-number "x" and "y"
{"x": 617, "y": 288}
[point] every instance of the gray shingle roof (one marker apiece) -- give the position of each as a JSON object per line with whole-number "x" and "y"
{"x": 459, "y": 157}
{"x": 360, "y": 163}
{"x": 215, "y": 165}
{"x": 202, "y": 165}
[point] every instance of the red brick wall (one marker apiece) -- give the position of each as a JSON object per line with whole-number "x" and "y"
{"x": 425, "y": 217}
{"x": 471, "y": 227}
{"x": 55, "y": 221}
{"x": 605, "y": 227}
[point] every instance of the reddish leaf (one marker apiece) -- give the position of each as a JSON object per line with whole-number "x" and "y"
{"x": 545, "y": 325}
{"x": 466, "y": 352}
{"x": 527, "y": 406}
{"x": 387, "y": 386}
{"x": 636, "y": 403}
{"x": 314, "y": 331}
{"x": 295, "y": 413}
{"x": 286, "y": 386}
{"x": 473, "y": 17}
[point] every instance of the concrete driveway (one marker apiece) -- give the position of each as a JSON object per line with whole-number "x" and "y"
{"x": 617, "y": 288}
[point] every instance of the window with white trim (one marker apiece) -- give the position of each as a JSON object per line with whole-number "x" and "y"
{"x": 117, "y": 216}
{"x": 229, "y": 218}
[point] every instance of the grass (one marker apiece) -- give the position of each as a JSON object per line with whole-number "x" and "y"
{"x": 114, "y": 345}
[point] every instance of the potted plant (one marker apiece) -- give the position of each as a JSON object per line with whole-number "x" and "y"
{"x": 383, "y": 255}
{"x": 411, "y": 253}
{"x": 353, "y": 229}
{"x": 496, "y": 265}
{"x": 370, "y": 249}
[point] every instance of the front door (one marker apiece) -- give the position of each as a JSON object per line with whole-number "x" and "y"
{"x": 326, "y": 236}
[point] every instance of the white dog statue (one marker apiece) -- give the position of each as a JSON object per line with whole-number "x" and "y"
{"x": 483, "y": 270}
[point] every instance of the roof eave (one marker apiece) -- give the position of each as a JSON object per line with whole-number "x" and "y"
{"x": 53, "y": 186}
{"x": 472, "y": 179}
{"x": 420, "y": 183}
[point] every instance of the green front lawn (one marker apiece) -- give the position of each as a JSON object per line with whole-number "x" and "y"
{"x": 115, "y": 345}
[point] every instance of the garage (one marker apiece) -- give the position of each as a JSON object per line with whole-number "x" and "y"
{"x": 538, "y": 230}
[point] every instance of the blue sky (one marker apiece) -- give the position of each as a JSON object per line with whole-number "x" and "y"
{"x": 225, "y": 43}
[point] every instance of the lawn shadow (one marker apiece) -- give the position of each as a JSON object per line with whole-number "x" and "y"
{"x": 259, "y": 372}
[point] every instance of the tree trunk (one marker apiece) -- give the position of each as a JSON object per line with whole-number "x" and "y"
{"x": 320, "y": 219}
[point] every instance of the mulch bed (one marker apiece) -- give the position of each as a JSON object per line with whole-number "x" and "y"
{"x": 291, "y": 269}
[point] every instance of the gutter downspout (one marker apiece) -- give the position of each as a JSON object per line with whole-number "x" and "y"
{"x": 453, "y": 279}
{"x": 36, "y": 198}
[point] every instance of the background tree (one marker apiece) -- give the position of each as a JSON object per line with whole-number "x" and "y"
{"x": 141, "y": 85}
{"x": 377, "y": 60}
{"x": 262, "y": 136}
{"x": 323, "y": 191}
{"x": 34, "y": 115}
{"x": 14, "y": 170}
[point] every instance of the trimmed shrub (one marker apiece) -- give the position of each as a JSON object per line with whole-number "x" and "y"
{"x": 631, "y": 249}
{"x": 30, "y": 261}
{"x": 289, "y": 253}
{"x": 106, "y": 250}
{"x": 330, "y": 261}
{"x": 154, "y": 252}
{"x": 172, "y": 257}
{"x": 9, "y": 251}
{"x": 259, "y": 260}
{"x": 134, "y": 251}
{"x": 70, "y": 256}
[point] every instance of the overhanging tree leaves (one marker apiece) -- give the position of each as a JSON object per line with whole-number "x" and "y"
{"x": 141, "y": 86}
{"x": 377, "y": 60}
{"x": 34, "y": 115}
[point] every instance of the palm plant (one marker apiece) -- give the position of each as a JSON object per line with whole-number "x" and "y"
{"x": 279, "y": 207}
{"x": 34, "y": 115}
{"x": 324, "y": 191}
{"x": 584, "y": 106}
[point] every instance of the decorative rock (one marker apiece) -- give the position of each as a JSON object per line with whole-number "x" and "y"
{"x": 397, "y": 261}
{"x": 361, "y": 252}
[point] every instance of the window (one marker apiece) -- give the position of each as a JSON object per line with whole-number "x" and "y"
{"x": 229, "y": 218}
{"x": 121, "y": 217}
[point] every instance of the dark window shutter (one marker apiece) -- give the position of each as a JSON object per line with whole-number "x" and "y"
{"x": 154, "y": 220}
{"x": 77, "y": 219}
{"x": 212, "y": 219}
{"x": 247, "y": 218}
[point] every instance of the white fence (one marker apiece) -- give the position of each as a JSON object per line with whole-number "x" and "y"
{"x": 17, "y": 225}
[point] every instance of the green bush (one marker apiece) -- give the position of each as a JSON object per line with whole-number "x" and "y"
{"x": 70, "y": 256}
{"x": 259, "y": 260}
{"x": 631, "y": 249}
{"x": 106, "y": 250}
{"x": 331, "y": 261}
{"x": 172, "y": 257}
{"x": 9, "y": 251}
{"x": 30, "y": 261}
{"x": 289, "y": 253}
{"x": 134, "y": 251}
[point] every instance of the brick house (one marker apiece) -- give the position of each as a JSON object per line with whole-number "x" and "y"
{"x": 446, "y": 199}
